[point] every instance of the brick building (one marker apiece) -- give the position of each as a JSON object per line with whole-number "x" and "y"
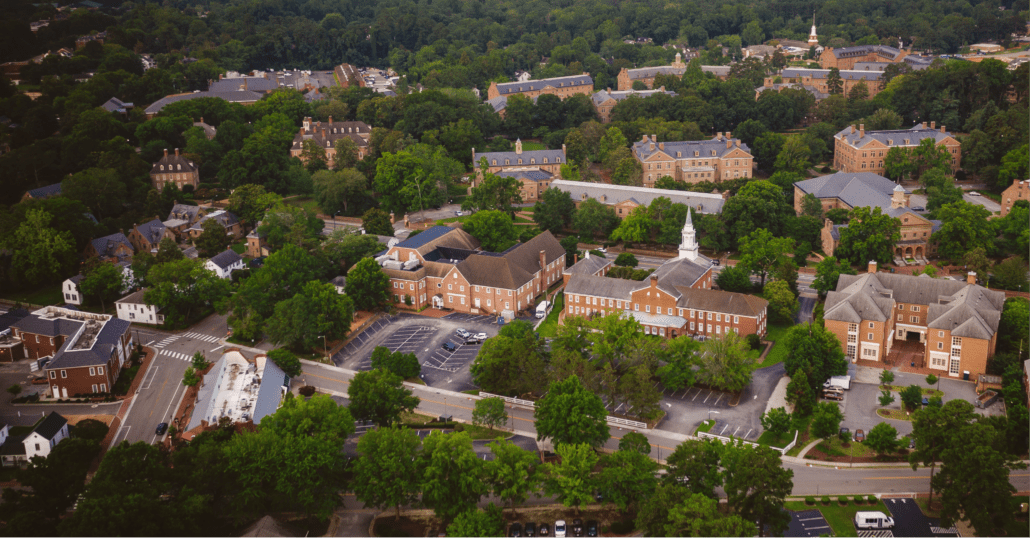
{"x": 145, "y": 237}
{"x": 174, "y": 169}
{"x": 86, "y": 350}
{"x": 817, "y": 79}
{"x": 677, "y": 300}
{"x": 855, "y": 150}
{"x": 956, "y": 323}
{"x": 327, "y": 134}
{"x": 624, "y": 198}
{"x": 112, "y": 248}
{"x": 443, "y": 267}
{"x": 228, "y": 220}
{"x": 181, "y": 217}
{"x": 646, "y": 75}
{"x": 847, "y": 57}
{"x": 693, "y": 161}
{"x": 1019, "y": 190}
{"x": 561, "y": 86}
{"x": 534, "y": 169}
{"x": 605, "y": 101}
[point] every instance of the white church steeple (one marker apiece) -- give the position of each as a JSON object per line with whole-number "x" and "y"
{"x": 688, "y": 247}
{"x": 813, "y": 39}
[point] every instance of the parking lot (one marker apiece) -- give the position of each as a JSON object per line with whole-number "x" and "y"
{"x": 808, "y": 523}
{"x": 739, "y": 431}
{"x": 909, "y": 520}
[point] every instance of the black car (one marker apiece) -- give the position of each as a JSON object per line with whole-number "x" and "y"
{"x": 591, "y": 528}
{"x": 577, "y": 527}
{"x": 449, "y": 346}
{"x": 161, "y": 428}
{"x": 530, "y": 529}
{"x": 544, "y": 530}
{"x": 515, "y": 529}
{"x": 715, "y": 261}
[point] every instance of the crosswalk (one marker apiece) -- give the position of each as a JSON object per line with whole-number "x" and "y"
{"x": 167, "y": 341}
{"x": 176, "y": 355}
{"x": 204, "y": 337}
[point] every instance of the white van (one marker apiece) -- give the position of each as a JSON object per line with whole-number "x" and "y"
{"x": 541, "y": 309}
{"x": 873, "y": 520}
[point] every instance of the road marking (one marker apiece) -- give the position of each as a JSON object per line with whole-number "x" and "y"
{"x": 217, "y": 348}
{"x": 720, "y": 397}
{"x": 735, "y": 431}
{"x": 707, "y": 397}
{"x": 124, "y": 434}
{"x": 748, "y": 434}
{"x": 152, "y": 373}
{"x": 898, "y": 478}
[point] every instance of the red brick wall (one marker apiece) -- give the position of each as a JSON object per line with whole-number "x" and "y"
{"x": 45, "y": 347}
{"x": 78, "y": 380}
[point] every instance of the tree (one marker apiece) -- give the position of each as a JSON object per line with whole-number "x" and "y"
{"x": 388, "y": 472}
{"x": 316, "y": 312}
{"x": 284, "y": 272}
{"x": 834, "y": 84}
{"x": 489, "y": 522}
{"x": 870, "y": 235}
{"x": 734, "y": 278}
{"x": 698, "y": 515}
{"x": 760, "y": 251}
{"x": 1014, "y": 325}
{"x": 452, "y": 474}
{"x": 931, "y": 379}
{"x": 634, "y": 441}
{"x": 800, "y": 394}
{"x": 626, "y": 259}
{"x": 409, "y": 180}
{"x": 964, "y": 227}
{"x": 756, "y": 484}
{"x": 104, "y": 282}
{"x": 613, "y": 139}
{"x": 190, "y": 377}
{"x": 494, "y": 229}
{"x": 751, "y": 35}
{"x": 758, "y": 204}
{"x": 500, "y": 193}
{"x": 576, "y": 147}
{"x": 249, "y": 202}
{"x": 815, "y": 351}
{"x": 377, "y": 222}
{"x": 911, "y": 396}
{"x": 99, "y": 189}
{"x": 695, "y": 463}
{"x": 726, "y": 363}
{"x": 794, "y": 156}
{"x": 313, "y": 156}
{"x": 593, "y": 217}
{"x": 39, "y": 253}
{"x": 826, "y": 420}
{"x": 571, "y": 414}
{"x": 513, "y": 473}
{"x": 628, "y": 172}
{"x": 782, "y": 302}
{"x": 626, "y": 477}
{"x": 777, "y": 421}
{"x": 345, "y": 247}
{"x": 341, "y": 191}
{"x": 827, "y": 273}
{"x": 309, "y": 436}
{"x": 886, "y": 377}
{"x": 1011, "y": 274}
{"x": 405, "y": 365}
{"x": 510, "y": 364}
{"x": 489, "y": 412}
{"x": 653, "y": 515}
{"x": 179, "y": 287}
{"x": 367, "y": 285}
{"x": 932, "y": 429}
{"x": 572, "y": 480}
{"x": 213, "y": 239}
{"x": 883, "y": 438}
{"x": 898, "y": 163}
{"x": 884, "y": 119}
{"x": 635, "y": 228}
{"x": 554, "y": 211}
{"x": 346, "y": 154}
{"x": 379, "y": 396}
{"x": 811, "y": 206}
{"x": 286, "y": 361}
{"x": 886, "y": 398}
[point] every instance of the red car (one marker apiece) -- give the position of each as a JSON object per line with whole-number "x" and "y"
{"x": 859, "y": 436}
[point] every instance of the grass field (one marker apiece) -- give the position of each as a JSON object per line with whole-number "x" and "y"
{"x": 532, "y": 146}
{"x": 834, "y": 447}
{"x": 305, "y": 202}
{"x": 778, "y": 353}
{"x": 239, "y": 248}
{"x": 840, "y": 518}
{"x": 771, "y": 439}
{"x": 45, "y": 295}
{"x": 549, "y": 328}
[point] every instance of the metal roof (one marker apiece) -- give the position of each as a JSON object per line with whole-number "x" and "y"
{"x": 509, "y": 88}
{"x": 614, "y": 194}
{"x": 862, "y": 189}
{"x": 245, "y": 96}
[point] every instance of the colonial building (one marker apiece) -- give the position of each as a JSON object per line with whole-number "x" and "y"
{"x": 855, "y": 150}
{"x": 769, "y": 85}
{"x": 224, "y": 263}
{"x": 181, "y": 217}
{"x": 693, "y": 161}
{"x": 73, "y": 295}
{"x": 561, "y": 86}
{"x": 174, "y": 169}
{"x": 677, "y": 300}
{"x": 145, "y": 237}
{"x": 257, "y": 244}
{"x": 817, "y": 80}
{"x": 646, "y": 75}
{"x": 134, "y": 309}
{"x": 535, "y": 169}
{"x": 956, "y": 323}
{"x": 846, "y": 57}
{"x": 624, "y": 198}
{"x": 606, "y": 100}
{"x": 44, "y": 437}
{"x": 43, "y": 192}
{"x": 443, "y": 267}
{"x": 848, "y": 191}
{"x": 87, "y": 350}
{"x": 112, "y": 248}
{"x": 326, "y": 134}
{"x": 1019, "y": 190}
{"x": 228, "y": 220}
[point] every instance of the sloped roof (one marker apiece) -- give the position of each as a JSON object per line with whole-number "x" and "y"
{"x": 681, "y": 272}
{"x": 223, "y": 217}
{"x": 184, "y": 212}
{"x": 861, "y": 50}
{"x": 340, "y": 281}
{"x": 439, "y": 235}
{"x": 613, "y": 194}
{"x": 509, "y": 88}
{"x": 864, "y": 295}
{"x": 685, "y": 149}
{"x": 604, "y": 95}
{"x": 897, "y": 137}
{"x": 270, "y": 392}
{"x": 601, "y": 286}
{"x": 589, "y": 265}
{"x": 173, "y": 162}
{"x": 863, "y": 189}
{"x": 254, "y": 84}
{"x": 115, "y": 104}
{"x": 796, "y": 86}
{"x": 97, "y": 355}
{"x": 527, "y": 255}
{"x": 493, "y": 271}
{"x": 152, "y": 231}
{"x": 43, "y": 192}
{"x": 845, "y": 74}
{"x": 528, "y": 174}
{"x": 105, "y": 245}
{"x": 245, "y": 96}
{"x": 226, "y": 258}
{"x": 50, "y": 426}
{"x": 135, "y": 297}
{"x": 9, "y": 318}
{"x": 553, "y": 156}
{"x": 727, "y": 302}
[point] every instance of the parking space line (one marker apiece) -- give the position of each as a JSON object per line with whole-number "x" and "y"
{"x": 716, "y": 402}
{"x": 735, "y": 431}
{"x": 696, "y": 395}
{"x": 748, "y": 434}
{"x": 709, "y": 396}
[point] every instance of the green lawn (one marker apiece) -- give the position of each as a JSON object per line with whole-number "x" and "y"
{"x": 834, "y": 447}
{"x": 305, "y": 202}
{"x": 705, "y": 426}
{"x": 840, "y": 518}
{"x": 479, "y": 432}
{"x": 45, "y": 295}
{"x": 532, "y": 146}
{"x": 453, "y": 219}
{"x": 778, "y": 353}
{"x": 124, "y": 382}
{"x": 771, "y": 439}
{"x": 239, "y": 248}
{"x": 549, "y": 328}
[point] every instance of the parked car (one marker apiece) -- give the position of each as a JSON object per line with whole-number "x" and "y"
{"x": 463, "y": 333}
{"x": 559, "y": 528}
{"x": 918, "y": 208}
{"x": 716, "y": 261}
{"x": 577, "y": 527}
{"x": 161, "y": 428}
{"x": 591, "y": 528}
{"x": 911, "y": 443}
{"x": 974, "y": 193}
{"x": 529, "y": 529}
{"x": 459, "y": 213}
{"x": 544, "y": 530}
{"x": 859, "y": 436}
{"x": 515, "y": 529}
{"x": 450, "y": 346}
{"x": 602, "y": 250}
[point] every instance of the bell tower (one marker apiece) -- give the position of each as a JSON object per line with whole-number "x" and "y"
{"x": 813, "y": 39}
{"x": 689, "y": 247}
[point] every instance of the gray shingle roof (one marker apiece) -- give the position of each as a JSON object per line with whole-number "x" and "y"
{"x": 510, "y": 88}
{"x": 602, "y": 96}
{"x": 861, "y": 50}
{"x": 527, "y": 255}
{"x": 43, "y": 192}
{"x": 34, "y": 324}
{"x": 152, "y": 231}
{"x": 115, "y": 104}
{"x": 225, "y": 259}
{"x": 891, "y": 138}
{"x": 9, "y": 318}
{"x": 105, "y": 245}
{"x": 589, "y": 265}
{"x": 173, "y": 162}
{"x": 103, "y": 348}
{"x": 184, "y": 212}
{"x": 532, "y": 175}
{"x": 270, "y": 392}
{"x": 498, "y": 103}
{"x": 727, "y": 302}
{"x": 232, "y": 97}
{"x": 254, "y": 84}
{"x": 340, "y": 281}
{"x": 870, "y": 66}
{"x": 680, "y": 272}
{"x": 225, "y": 218}
{"x": 614, "y": 194}
{"x": 532, "y": 157}
{"x": 685, "y": 149}
{"x": 601, "y": 286}
{"x": 650, "y": 72}
{"x": 845, "y": 74}
{"x": 864, "y": 189}
{"x": 50, "y": 426}
{"x": 793, "y": 85}
{"x": 493, "y": 271}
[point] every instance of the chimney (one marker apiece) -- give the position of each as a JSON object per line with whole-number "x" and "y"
{"x": 543, "y": 261}
{"x": 654, "y": 138}
{"x": 654, "y": 281}
{"x": 728, "y": 135}
{"x": 738, "y": 142}
{"x": 729, "y": 143}
{"x": 661, "y": 146}
{"x": 923, "y": 124}
{"x": 609, "y": 91}
{"x": 202, "y": 119}
{"x": 219, "y": 76}
{"x": 933, "y": 125}
{"x": 971, "y": 277}
{"x": 852, "y": 129}
{"x": 718, "y": 136}
{"x": 575, "y": 259}
{"x": 176, "y": 152}
{"x": 323, "y": 133}
{"x": 166, "y": 152}
{"x": 861, "y": 130}
{"x": 872, "y": 266}
{"x": 942, "y": 128}
{"x": 644, "y": 139}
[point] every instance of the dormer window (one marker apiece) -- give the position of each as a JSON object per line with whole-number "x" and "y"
{"x": 179, "y": 167}
{"x": 495, "y": 162}
{"x": 545, "y": 160}
{"x": 162, "y": 168}
{"x": 697, "y": 154}
{"x": 506, "y": 161}
{"x": 907, "y": 141}
{"x": 520, "y": 161}
{"x": 713, "y": 153}
{"x": 532, "y": 161}
{"x": 557, "y": 159}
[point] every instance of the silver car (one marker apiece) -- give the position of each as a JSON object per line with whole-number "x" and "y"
{"x": 559, "y": 528}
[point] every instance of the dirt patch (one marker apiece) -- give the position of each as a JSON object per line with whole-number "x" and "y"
{"x": 815, "y": 454}
{"x": 75, "y": 419}
{"x": 405, "y": 526}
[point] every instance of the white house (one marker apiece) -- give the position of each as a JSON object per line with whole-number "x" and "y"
{"x": 341, "y": 283}
{"x": 224, "y": 263}
{"x": 70, "y": 289}
{"x": 44, "y": 437}
{"x": 132, "y": 308}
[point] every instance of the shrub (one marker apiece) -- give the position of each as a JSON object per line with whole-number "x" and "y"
{"x": 826, "y": 499}
{"x": 307, "y": 390}
{"x": 407, "y": 300}
{"x": 857, "y": 499}
{"x": 886, "y": 377}
{"x": 842, "y": 500}
{"x": 871, "y": 499}
{"x": 458, "y": 428}
{"x": 754, "y": 341}
{"x": 626, "y": 260}
{"x": 825, "y": 169}
{"x": 809, "y": 500}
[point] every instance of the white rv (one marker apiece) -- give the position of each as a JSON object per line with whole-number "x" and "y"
{"x": 873, "y": 520}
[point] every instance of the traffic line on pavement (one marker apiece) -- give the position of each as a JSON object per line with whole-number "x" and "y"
{"x": 176, "y": 355}
{"x": 203, "y": 337}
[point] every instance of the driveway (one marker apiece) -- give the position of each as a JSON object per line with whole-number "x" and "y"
{"x": 991, "y": 205}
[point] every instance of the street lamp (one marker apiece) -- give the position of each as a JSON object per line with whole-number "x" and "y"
{"x": 325, "y": 347}
{"x": 710, "y": 414}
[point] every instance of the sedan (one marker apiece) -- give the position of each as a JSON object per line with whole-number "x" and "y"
{"x": 515, "y": 529}
{"x": 544, "y": 530}
{"x": 577, "y": 527}
{"x": 859, "y": 436}
{"x": 462, "y": 333}
{"x": 161, "y": 428}
{"x": 591, "y": 528}
{"x": 530, "y": 529}
{"x": 973, "y": 193}
{"x": 450, "y": 346}
{"x": 918, "y": 208}
{"x": 559, "y": 528}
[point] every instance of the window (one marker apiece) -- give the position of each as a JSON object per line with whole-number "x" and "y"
{"x": 103, "y": 387}
{"x": 940, "y": 345}
{"x": 901, "y": 317}
{"x": 692, "y": 325}
{"x": 93, "y": 371}
{"x": 869, "y": 336}
{"x": 940, "y": 334}
{"x": 870, "y": 325}
{"x": 53, "y": 374}
{"x": 956, "y": 351}
{"x": 718, "y": 329}
{"x": 956, "y": 341}
{"x": 937, "y": 362}
{"x": 736, "y": 319}
{"x": 916, "y": 308}
{"x": 901, "y": 307}
{"x": 709, "y": 328}
{"x": 709, "y": 315}
{"x": 94, "y": 388}
{"x": 852, "y": 339}
{"x": 64, "y": 374}
{"x": 462, "y": 288}
{"x": 647, "y": 308}
{"x": 914, "y": 319}
{"x": 954, "y": 366}
{"x": 450, "y": 286}
{"x": 852, "y": 327}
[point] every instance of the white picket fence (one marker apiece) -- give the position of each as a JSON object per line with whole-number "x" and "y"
{"x": 527, "y": 403}
{"x": 724, "y": 440}
{"x": 625, "y": 422}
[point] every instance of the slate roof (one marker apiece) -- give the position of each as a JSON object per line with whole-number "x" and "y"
{"x": 845, "y": 74}
{"x": 50, "y": 426}
{"x": 34, "y": 324}
{"x": 223, "y": 217}
{"x": 15, "y": 446}
{"x": 173, "y": 162}
{"x": 650, "y": 72}
{"x": 527, "y": 255}
{"x": 859, "y": 298}
{"x": 862, "y": 50}
{"x": 656, "y": 320}
{"x": 511, "y": 88}
{"x": 915, "y": 135}
{"x": 602, "y": 96}
{"x": 232, "y": 97}
{"x": 429, "y": 239}
{"x": 270, "y": 392}
{"x": 135, "y": 297}
{"x": 642, "y": 149}
{"x": 590, "y": 264}
{"x": 496, "y": 158}
{"x": 796, "y": 86}
{"x": 152, "y": 231}
{"x": 9, "y": 318}
{"x": 340, "y": 281}
{"x": 498, "y": 103}
{"x": 325, "y": 134}
{"x": 184, "y": 212}
{"x": 209, "y": 130}
{"x": 254, "y": 84}
{"x": 614, "y": 194}
{"x": 493, "y": 271}
{"x": 115, "y": 104}
{"x": 532, "y": 174}
{"x": 103, "y": 348}
{"x": 105, "y": 245}
{"x": 679, "y": 273}
{"x": 47, "y": 191}
{"x": 601, "y": 286}
{"x": 727, "y": 302}
{"x": 225, "y": 258}
{"x": 863, "y": 189}
{"x": 870, "y": 66}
